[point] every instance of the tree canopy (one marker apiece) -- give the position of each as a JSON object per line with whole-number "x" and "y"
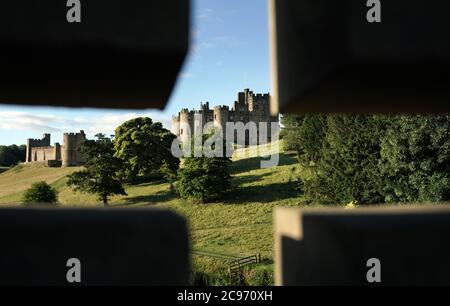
{"x": 144, "y": 147}
{"x": 12, "y": 155}
{"x": 372, "y": 158}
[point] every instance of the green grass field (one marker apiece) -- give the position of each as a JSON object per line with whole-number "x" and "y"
{"x": 241, "y": 224}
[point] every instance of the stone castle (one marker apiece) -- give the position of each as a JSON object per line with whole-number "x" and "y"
{"x": 66, "y": 155}
{"x": 249, "y": 107}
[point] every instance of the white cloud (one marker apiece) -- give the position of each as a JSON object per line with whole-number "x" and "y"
{"x": 43, "y": 123}
{"x": 13, "y": 120}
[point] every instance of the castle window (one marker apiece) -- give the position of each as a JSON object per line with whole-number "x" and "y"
{"x": 215, "y": 116}
{"x": 181, "y": 132}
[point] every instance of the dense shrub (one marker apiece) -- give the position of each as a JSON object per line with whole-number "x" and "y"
{"x": 416, "y": 159}
{"x": 305, "y": 135}
{"x": 215, "y": 272}
{"x": 207, "y": 271}
{"x": 40, "y": 192}
{"x": 373, "y": 158}
{"x": 260, "y": 275}
{"x": 203, "y": 179}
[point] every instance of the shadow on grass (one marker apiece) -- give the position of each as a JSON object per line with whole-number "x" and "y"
{"x": 4, "y": 169}
{"x": 253, "y": 163}
{"x": 151, "y": 199}
{"x": 238, "y": 181}
{"x": 262, "y": 193}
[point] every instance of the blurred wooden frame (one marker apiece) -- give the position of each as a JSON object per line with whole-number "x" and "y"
{"x": 122, "y": 55}
{"x": 331, "y": 246}
{"x": 327, "y": 58}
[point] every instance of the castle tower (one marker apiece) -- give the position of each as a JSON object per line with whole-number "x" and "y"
{"x": 186, "y": 124}
{"x": 33, "y": 143}
{"x": 70, "y": 154}
{"x": 221, "y": 114}
{"x": 176, "y": 125}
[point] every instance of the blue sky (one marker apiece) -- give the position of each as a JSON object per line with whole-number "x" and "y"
{"x": 228, "y": 52}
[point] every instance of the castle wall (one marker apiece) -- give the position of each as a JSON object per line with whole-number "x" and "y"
{"x": 35, "y": 143}
{"x": 39, "y": 154}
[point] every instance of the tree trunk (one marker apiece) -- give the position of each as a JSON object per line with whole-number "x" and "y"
{"x": 105, "y": 201}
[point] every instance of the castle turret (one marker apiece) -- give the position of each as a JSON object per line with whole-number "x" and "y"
{"x": 186, "y": 124}
{"x": 175, "y": 125}
{"x": 221, "y": 117}
{"x": 70, "y": 155}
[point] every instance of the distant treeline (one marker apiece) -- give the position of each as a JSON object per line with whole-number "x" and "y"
{"x": 368, "y": 159}
{"x": 12, "y": 155}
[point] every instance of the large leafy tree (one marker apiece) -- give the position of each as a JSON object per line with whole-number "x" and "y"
{"x": 144, "y": 147}
{"x": 374, "y": 158}
{"x": 346, "y": 164}
{"x": 100, "y": 176}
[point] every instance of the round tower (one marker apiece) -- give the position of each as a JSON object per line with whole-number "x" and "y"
{"x": 70, "y": 155}
{"x": 186, "y": 128}
{"x": 67, "y": 151}
{"x": 221, "y": 114}
{"x": 175, "y": 125}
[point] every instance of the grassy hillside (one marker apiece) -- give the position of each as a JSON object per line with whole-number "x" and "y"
{"x": 240, "y": 224}
{"x": 19, "y": 178}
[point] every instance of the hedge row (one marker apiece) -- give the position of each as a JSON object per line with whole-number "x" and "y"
{"x": 371, "y": 158}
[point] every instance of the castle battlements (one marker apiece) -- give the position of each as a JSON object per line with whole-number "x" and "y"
{"x": 242, "y": 111}
{"x": 220, "y": 107}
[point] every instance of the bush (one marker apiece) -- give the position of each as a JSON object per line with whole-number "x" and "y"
{"x": 208, "y": 271}
{"x": 203, "y": 179}
{"x": 261, "y": 275}
{"x": 40, "y": 192}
